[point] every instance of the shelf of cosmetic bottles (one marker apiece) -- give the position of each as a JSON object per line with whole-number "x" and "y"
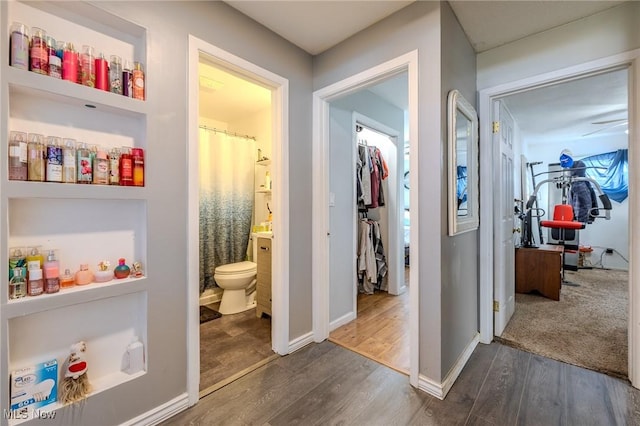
{"x": 28, "y": 83}
{"x": 29, "y": 189}
{"x": 71, "y": 296}
{"x": 99, "y": 384}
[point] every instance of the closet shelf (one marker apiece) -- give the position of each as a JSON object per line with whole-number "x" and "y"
{"x": 72, "y": 296}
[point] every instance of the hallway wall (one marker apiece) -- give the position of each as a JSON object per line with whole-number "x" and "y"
{"x": 168, "y": 27}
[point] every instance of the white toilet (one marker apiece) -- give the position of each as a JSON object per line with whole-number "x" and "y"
{"x": 238, "y": 282}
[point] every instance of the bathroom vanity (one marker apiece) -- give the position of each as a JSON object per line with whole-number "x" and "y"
{"x": 263, "y": 279}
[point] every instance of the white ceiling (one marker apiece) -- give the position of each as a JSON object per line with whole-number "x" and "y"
{"x": 579, "y": 110}
{"x": 316, "y": 26}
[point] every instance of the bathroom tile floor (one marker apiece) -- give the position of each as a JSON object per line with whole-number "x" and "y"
{"x": 231, "y": 344}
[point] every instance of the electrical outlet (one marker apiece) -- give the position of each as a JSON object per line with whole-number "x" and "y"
{"x": 609, "y": 251}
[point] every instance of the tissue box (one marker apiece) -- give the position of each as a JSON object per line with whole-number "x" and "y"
{"x": 34, "y": 387}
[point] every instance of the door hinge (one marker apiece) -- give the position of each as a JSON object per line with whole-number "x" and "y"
{"x": 496, "y": 126}
{"x": 496, "y": 306}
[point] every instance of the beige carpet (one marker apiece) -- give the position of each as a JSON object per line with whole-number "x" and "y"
{"x": 587, "y": 327}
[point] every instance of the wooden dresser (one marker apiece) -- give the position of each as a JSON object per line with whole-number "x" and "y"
{"x": 263, "y": 283}
{"x": 539, "y": 269}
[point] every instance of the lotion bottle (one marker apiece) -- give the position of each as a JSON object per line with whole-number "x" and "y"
{"x": 135, "y": 356}
{"x": 51, "y": 274}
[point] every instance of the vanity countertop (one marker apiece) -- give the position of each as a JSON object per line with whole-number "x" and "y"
{"x": 264, "y": 234}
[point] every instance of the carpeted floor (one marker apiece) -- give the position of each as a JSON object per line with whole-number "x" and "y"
{"x": 587, "y": 327}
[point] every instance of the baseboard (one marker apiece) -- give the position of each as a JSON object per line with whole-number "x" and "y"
{"x": 441, "y": 389}
{"x": 300, "y": 342}
{"x": 345, "y": 319}
{"x": 208, "y": 298}
{"x": 161, "y": 413}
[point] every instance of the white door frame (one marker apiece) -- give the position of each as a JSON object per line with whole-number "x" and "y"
{"x": 486, "y": 96}
{"x": 280, "y": 196}
{"x": 320, "y": 264}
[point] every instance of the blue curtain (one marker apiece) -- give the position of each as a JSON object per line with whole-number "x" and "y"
{"x": 611, "y": 171}
{"x": 461, "y": 186}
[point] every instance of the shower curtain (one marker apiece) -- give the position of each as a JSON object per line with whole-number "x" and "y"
{"x": 227, "y": 168}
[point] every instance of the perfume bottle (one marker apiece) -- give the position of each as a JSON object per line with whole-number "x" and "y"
{"x": 69, "y": 161}
{"x": 84, "y": 166}
{"x": 84, "y": 276}
{"x": 17, "y": 259}
{"x": 122, "y": 270}
{"x": 67, "y": 279}
{"x": 101, "y": 167}
{"x": 51, "y": 274}
{"x": 35, "y": 157}
{"x": 17, "y": 156}
{"x": 103, "y": 274}
{"x": 17, "y": 285}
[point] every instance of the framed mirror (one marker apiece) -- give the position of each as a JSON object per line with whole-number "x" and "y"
{"x": 462, "y": 138}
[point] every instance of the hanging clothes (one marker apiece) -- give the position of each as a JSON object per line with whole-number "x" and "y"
{"x": 371, "y": 170}
{"x": 372, "y": 261}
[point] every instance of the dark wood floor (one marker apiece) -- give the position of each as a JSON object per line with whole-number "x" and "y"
{"x": 325, "y": 384}
{"x": 232, "y": 344}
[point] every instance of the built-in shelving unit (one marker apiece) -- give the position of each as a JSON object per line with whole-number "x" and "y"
{"x": 83, "y": 223}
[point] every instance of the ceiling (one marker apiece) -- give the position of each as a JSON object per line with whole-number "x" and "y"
{"x": 566, "y": 110}
{"x": 316, "y": 26}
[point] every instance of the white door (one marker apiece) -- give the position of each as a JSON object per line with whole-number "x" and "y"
{"x": 504, "y": 259}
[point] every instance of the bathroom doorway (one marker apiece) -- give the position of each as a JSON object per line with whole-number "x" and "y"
{"x": 235, "y": 197}
{"x": 238, "y": 182}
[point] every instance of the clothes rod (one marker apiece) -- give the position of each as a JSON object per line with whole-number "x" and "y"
{"x": 226, "y": 132}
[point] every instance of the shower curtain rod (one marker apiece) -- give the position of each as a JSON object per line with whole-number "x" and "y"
{"x": 226, "y": 132}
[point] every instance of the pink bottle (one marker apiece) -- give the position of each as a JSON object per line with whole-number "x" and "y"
{"x": 84, "y": 276}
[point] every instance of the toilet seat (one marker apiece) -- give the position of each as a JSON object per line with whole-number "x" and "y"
{"x": 236, "y": 268}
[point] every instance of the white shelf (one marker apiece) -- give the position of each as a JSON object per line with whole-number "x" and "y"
{"x": 263, "y": 191}
{"x": 28, "y": 189}
{"x": 263, "y": 163}
{"x": 72, "y": 296}
{"x": 31, "y": 84}
{"x": 98, "y": 385}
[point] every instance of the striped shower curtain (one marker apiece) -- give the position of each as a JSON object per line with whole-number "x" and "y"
{"x": 227, "y": 167}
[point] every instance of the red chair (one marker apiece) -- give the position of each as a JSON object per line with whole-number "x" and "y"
{"x": 563, "y": 228}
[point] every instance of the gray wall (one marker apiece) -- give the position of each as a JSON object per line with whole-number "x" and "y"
{"x": 341, "y": 165}
{"x": 460, "y": 268}
{"x": 169, "y": 24}
{"x": 416, "y": 27}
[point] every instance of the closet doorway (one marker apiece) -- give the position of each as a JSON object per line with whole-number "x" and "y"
{"x": 368, "y": 277}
